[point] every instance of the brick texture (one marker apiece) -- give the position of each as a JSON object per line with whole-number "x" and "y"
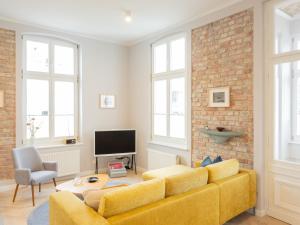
{"x": 8, "y": 112}
{"x": 222, "y": 55}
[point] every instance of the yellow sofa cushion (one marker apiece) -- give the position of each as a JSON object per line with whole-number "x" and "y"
{"x": 92, "y": 197}
{"x": 222, "y": 170}
{"x": 127, "y": 198}
{"x": 179, "y": 178}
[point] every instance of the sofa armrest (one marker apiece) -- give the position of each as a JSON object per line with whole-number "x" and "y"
{"x": 23, "y": 176}
{"x": 66, "y": 209}
{"x": 51, "y": 165}
{"x": 252, "y": 175}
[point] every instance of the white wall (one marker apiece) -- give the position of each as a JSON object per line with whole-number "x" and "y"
{"x": 140, "y": 89}
{"x": 104, "y": 70}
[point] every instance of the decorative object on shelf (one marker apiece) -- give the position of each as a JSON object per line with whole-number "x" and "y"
{"x": 220, "y": 129}
{"x": 1, "y": 98}
{"x": 219, "y": 97}
{"x": 221, "y": 137}
{"x": 107, "y": 101}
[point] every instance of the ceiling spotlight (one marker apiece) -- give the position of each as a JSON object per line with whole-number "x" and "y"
{"x": 128, "y": 17}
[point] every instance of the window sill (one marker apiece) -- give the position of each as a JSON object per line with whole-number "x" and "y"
{"x": 59, "y": 145}
{"x": 181, "y": 147}
{"x": 294, "y": 142}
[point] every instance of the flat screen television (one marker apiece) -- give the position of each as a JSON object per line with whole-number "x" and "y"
{"x": 114, "y": 142}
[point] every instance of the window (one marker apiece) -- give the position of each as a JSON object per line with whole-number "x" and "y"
{"x": 295, "y": 70}
{"x": 169, "y": 90}
{"x": 50, "y": 75}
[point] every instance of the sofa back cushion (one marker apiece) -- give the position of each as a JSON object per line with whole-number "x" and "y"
{"x": 127, "y": 198}
{"x": 179, "y": 178}
{"x": 222, "y": 170}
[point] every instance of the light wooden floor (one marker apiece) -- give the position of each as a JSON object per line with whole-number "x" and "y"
{"x": 17, "y": 213}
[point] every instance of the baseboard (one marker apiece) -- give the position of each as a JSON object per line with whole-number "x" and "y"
{"x": 260, "y": 212}
{"x": 7, "y": 182}
{"x": 140, "y": 169}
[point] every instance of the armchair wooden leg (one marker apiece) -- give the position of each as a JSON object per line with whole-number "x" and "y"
{"x": 40, "y": 187}
{"x": 16, "y": 191}
{"x": 54, "y": 182}
{"x": 32, "y": 193}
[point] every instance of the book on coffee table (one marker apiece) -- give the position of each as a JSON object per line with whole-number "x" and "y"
{"x": 115, "y": 183}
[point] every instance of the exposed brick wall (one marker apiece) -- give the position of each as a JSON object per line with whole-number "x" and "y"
{"x": 8, "y": 112}
{"x": 222, "y": 55}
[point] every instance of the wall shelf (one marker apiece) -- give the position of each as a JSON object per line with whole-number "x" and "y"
{"x": 220, "y": 137}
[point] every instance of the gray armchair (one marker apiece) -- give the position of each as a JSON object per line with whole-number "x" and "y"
{"x": 31, "y": 170}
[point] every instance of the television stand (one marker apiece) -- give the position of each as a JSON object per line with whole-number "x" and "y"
{"x": 133, "y": 164}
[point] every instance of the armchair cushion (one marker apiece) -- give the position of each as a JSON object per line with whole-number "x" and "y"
{"x": 27, "y": 157}
{"x": 23, "y": 176}
{"x": 42, "y": 176}
{"x": 51, "y": 165}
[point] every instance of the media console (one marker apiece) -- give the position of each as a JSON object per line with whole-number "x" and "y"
{"x": 115, "y": 143}
{"x": 132, "y": 162}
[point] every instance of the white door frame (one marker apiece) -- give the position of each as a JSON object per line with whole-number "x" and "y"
{"x": 282, "y": 177}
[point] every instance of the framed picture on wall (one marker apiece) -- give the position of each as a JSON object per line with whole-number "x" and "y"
{"x": 107, "y": 101}
{"x": 219, "y": 97}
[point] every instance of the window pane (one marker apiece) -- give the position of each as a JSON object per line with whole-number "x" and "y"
{"x": 287, "y": 112}
{"x": 38, "y": 106}
{"x": 286, "y": 27}
{"x": 64, "y": 109}
{"x": 160, "y": 58}
{"x": 160, "y": 96}
{"x": 64, "y": 126}
{"x": 177, "y": 126}
{"x": 64, "y": 98}
{"x": 63, "y": 60}
{"x": 177, "y": 103}
{"x": 37, "y": 56}
{"x": 177, "y": 54}
{"x": 160, "y": 125}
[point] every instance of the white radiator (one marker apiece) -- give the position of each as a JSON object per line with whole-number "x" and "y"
{"x": 68, "y": 160}
{"x": 158, "y": 159}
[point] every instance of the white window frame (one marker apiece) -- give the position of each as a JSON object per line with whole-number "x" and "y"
{"x": 51, "y": 77}
{"x": 294, "y": 120}
{"x": 169, "y": 75}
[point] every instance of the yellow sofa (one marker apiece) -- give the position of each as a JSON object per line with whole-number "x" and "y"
{"x": 186, "y": 203}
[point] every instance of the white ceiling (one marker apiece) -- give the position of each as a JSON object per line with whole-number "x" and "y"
{"x": 103, "y": 19}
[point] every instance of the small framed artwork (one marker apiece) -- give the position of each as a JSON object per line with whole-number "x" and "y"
{"x": 219, "y": 97}
{"x": 1, "y": 98}
{"x": 107, "y": 101}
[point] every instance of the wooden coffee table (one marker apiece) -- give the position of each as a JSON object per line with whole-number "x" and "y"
{"x": 78, "y": 189}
